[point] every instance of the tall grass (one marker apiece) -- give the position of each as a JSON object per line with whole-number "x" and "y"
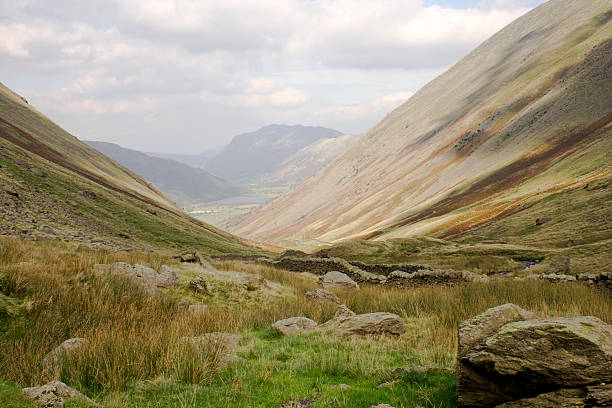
{"x": 134, "y": 337}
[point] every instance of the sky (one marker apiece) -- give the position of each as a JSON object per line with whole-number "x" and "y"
{"x": 184, "y": 76}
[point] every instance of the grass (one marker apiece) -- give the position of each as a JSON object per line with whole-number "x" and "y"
{"x": 134, "y": 358}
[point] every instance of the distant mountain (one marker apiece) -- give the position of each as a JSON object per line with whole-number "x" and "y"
{"x": 182, "y": 183}
{"x": 511, "y": 129}
{"x": 195, "y": 160}
{"x": 252, "y": 157}
{"x": 54, "y": 185}
{"x": 307, "y": 161}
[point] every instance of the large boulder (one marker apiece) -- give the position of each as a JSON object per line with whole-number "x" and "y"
{"x": 525, "y": 359}
{"x": 322, "y": 296}
{"x": 54, "y": 360}
{"x": 473, "y": 331}
{"x": 54, "y": 395}
{"x": 337, "y": 280}
{"x": 348, "y": 324}
{"x": 294, "y": 325}
{"x": 147, "y": 278}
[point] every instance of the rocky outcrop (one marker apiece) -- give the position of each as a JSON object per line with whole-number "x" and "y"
{"x": 252, "y": 282}
{"x": 337, "y": 280}
{"x": 348, "y": 324}
{"x": 54, "y": 395}
{"x": 199, "y": 285}
{"x": 506, "y": 355}
{"x": 54, "y": 360}
{"x": 323, "y": 296}
{"x": 426, "y": 277}
{"x": 553, "y": 277}
{"x": 145, "y": 277}
{"x": 294, "y": 325}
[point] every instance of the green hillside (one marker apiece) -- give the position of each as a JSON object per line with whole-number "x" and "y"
{"x": 54, "y": 186}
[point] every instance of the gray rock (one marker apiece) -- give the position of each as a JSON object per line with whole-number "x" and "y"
{"x": 54, "y": 395}
{"x": 54, "y": 360}
{"x": 337, "y": 280}
{"x": 525, "y": 358}
{"x": 199, "y": 285}
{"x": 294, "y": 325}
{"x": 348, "y": 324}
{"x": 37, "y": 172}
{"x": 476, "y": 329}
{"x": 323, "y": 296}
{"x": 166, "y": 277}
{"x": 141, "y": 275}
{"x": 340, "y": 387}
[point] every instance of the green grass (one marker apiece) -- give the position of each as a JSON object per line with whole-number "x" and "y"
{"x": 12, "y": 397}
{"x": 134, "y": 358}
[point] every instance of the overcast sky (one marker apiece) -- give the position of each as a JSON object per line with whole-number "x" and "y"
{"x": 183, "y": 76}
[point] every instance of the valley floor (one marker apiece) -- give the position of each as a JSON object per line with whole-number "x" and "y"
{"x": 49, "y": 292}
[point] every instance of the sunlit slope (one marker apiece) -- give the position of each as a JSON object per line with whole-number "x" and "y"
{"x": 50, "y": 178}
{"x": 525, "y": 115}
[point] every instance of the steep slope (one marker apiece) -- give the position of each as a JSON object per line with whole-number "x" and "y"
{"x": 250, "y": 157}
{"x": 182, "y": 183}
{"x": 307, "y": 161}
{"x": 525, "y": 115}
{"x": 53, "y": 185}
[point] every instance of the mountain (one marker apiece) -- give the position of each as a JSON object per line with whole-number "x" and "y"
{"x": 307, "y": 161}
{"x": 195, "y": 160}
{"x": 182, "y": 183}
{"x": 251, "y": 157}
{"x": 53, "y": 185}
{"x": 510, "y": 131}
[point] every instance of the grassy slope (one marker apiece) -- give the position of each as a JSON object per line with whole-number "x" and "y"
{"x": 123, "y": 210}
{"x": 527, "y": 105}
{"x": 133, "y": 359}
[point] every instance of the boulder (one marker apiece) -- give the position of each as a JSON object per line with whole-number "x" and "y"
{"x": 145, "y": 277}
{"x": 526, "y": 359}
{"x": 348, "y": 324}
{"x": 337, "y": 280}
{"x": 199, "y": 285}
{"x": 543, "y": 220}
{"x": 554, "y": 277}
{"x": 52, "y": 363}
{"x": 54, "y": 395}
{"x": 475, "y": 330}
{"x": 323, "y": 296}
{"x": 294, "y": 325}
{"x": 166, "y": 277}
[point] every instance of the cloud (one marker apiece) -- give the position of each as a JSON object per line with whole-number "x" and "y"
{"x": 154, "y": 72}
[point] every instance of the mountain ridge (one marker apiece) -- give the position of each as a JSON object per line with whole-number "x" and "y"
{"x": 513, "y": 96}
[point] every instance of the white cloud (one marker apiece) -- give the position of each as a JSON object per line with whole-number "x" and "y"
{"x": 203, "y": 71}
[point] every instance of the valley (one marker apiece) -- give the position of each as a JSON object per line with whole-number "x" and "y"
{"x": 457, "y": 254}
